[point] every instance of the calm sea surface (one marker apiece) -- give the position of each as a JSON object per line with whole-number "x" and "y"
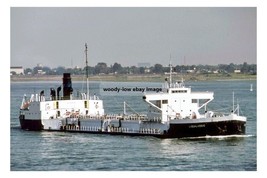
{"x": 46, "y": 151}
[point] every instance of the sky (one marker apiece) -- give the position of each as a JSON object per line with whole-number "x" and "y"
{"x": 130, "y": 35}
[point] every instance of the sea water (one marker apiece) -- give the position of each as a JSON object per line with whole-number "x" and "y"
{"x": 60, "y": 151}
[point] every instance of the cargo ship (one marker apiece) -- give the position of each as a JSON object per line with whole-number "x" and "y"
{"x": 175, "y": 112}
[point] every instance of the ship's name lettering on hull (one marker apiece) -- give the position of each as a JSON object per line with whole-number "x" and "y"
{"x": 197, "y": 126}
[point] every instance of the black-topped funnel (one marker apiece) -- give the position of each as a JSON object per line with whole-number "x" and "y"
{"x": 67, "y": 86}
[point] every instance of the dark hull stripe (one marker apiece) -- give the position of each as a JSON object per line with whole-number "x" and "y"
{"x": 26, "y": 124}
{"x": 175, "y": 130}
{"x": 204, "y": 129}
{"x": 115, "y": 133}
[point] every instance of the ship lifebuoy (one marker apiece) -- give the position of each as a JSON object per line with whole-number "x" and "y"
{"x": 47, "y": 107}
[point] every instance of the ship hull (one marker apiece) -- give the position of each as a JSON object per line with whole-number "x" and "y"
{"x": 233, "y": 127}
{"x": 175, "y": 130}
{"x": 27, "y": 124}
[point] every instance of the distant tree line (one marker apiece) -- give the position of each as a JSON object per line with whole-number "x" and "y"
{"x": 103, "y": 69}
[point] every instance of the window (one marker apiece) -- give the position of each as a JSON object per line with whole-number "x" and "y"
{"x": 158, "y": 103}
{"x": 57, "y": 105}
{"x": 85, "y": 104}
{"x": 194, "y": 100}
{"x": 164, "y": 101}
{"x": 179, "y": 91}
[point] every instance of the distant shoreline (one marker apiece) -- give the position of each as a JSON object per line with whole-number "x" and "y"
{"x": 137, "y": 78}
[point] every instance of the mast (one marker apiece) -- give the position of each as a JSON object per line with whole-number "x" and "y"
{"x": 233, "y": 102}
{"x": 170, "y": 71}
{"x": 87, "y": 80}
{"x": 124, "y": 108}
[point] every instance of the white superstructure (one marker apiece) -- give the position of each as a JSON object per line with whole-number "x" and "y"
{"x": 172, "y": 113}
{"x": 177, "y": 102}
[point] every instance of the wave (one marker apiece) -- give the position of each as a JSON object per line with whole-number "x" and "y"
{"x": 219, "y": 137}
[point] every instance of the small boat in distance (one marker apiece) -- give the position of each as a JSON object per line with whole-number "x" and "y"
{"x": 172, "y": 113}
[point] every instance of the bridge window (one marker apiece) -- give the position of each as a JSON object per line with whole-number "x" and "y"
{"x": 179, "y": 91}
{"x": 194, "y": 100}
{"x": 158, "y": 103}
{"x": 164, "y": 101}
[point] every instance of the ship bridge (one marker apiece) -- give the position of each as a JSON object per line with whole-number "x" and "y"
{"x": 177, "y": 101}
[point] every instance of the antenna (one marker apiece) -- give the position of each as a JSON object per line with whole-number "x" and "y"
{"x": 233, "y": 102}
{"x": 124, "y": 108}
{"x": 237, "y": 107}
{"x": 251, "y": 87}
{"x": 170, "y": 70}
{"x": 71, "y": 63}
{"x": 87, "y": 80}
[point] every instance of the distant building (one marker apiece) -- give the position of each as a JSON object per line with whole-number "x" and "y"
{"x": 17, "y": 70}
{"x": 145, "y": 65}
{"x": 39, "y": 65}
{"x": 147, "y": 70}
{"x": 76, "y": 67}
{"x": 190, "y": 71}
{"x": 237, "y": 71}
{"x": 40, "y": 72}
